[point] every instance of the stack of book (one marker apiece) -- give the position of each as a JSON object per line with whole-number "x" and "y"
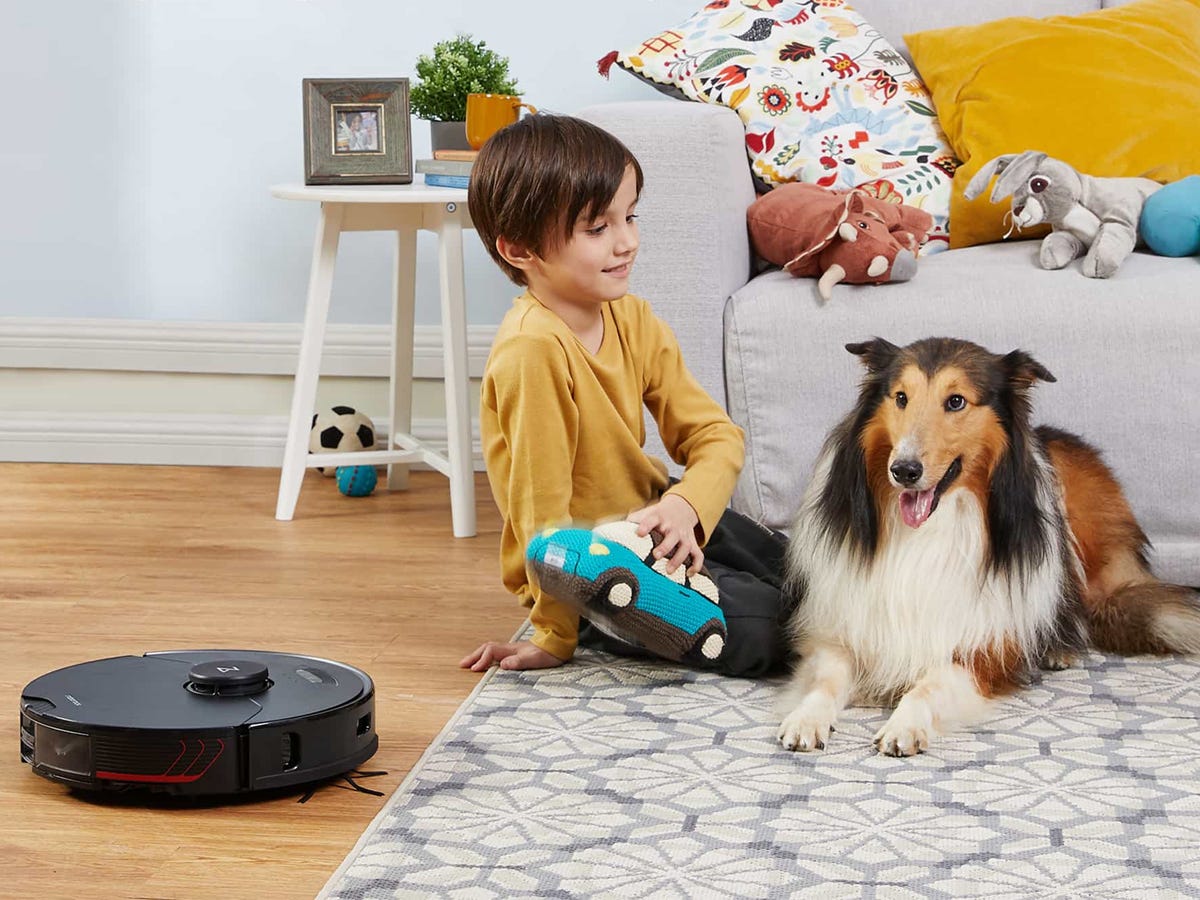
{"x": 448, "y": 168}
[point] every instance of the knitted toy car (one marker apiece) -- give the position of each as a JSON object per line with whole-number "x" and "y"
{"x": 608, "y": 581}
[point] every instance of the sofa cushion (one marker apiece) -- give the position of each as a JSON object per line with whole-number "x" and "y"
{"x": 823, "y": 97}
{"x": 1123, "y": 350}
{"x": 1114, "y": 92}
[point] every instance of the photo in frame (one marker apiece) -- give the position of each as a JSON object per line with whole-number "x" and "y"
{"x": 357, "y": 131}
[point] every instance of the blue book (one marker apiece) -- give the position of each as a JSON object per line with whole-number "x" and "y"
{"x": 450, "y": 181}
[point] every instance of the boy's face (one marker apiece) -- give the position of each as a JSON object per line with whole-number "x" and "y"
{"x": 593, "y": 266}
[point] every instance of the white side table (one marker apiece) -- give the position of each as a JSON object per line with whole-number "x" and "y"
{"x": 403, "y": 209}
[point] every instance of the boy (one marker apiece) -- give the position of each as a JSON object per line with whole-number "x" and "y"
{"x": 553, "y": 198}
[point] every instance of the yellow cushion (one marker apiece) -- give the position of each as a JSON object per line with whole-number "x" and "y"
{"x": 1114, "y": 92}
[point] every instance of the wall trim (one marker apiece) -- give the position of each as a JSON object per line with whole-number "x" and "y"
{"x": 168, "y": 439}
{"x": 226, "y": 348}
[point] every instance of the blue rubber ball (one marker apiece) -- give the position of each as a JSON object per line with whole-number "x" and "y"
{"x": 356, "y": 481}
{"x": 1170, "y": 223}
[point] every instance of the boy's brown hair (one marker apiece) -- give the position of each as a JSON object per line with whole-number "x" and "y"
{"x": 533, "y": 180}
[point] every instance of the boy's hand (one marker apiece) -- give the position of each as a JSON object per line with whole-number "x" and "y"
{"x": 518, "y": 655}
{"x": 676, "y": 521}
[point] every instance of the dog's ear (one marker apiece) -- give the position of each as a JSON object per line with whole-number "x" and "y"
{"x": 876, "y": 354}
{"x": 1023, "y": 370}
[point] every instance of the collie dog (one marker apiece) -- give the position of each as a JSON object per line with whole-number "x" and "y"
{"x": 945, "y": 549}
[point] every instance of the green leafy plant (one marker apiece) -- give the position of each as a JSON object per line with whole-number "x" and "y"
{"x": 456, "y": 68}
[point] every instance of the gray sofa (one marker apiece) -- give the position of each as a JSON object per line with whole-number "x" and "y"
{"x": 1124, "y": 350}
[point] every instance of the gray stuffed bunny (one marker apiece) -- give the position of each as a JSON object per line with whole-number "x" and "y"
{"x": 1096, "y": 216}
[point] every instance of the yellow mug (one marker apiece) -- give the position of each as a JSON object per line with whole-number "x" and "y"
{"x": 488, "y": 113}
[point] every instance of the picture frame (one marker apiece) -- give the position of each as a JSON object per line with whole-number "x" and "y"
{"x": 357, "y": 131}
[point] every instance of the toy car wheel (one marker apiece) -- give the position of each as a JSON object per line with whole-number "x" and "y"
{"x": 620, "y": 590}
{"x": 711, "y": 642}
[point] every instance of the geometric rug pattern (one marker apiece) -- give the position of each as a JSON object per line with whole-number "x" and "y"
{"x": 612, "y": 777}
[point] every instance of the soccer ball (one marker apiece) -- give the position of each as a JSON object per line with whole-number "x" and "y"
{"x": 342, "y": 428}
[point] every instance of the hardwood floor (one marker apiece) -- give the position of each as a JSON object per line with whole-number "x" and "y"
{"x": 102, "y": 561}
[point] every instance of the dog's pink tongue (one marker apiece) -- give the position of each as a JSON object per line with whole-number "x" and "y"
{"x": 915, "y": 507}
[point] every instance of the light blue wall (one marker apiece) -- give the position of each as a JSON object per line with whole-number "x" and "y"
{"x": 141, "y": 138}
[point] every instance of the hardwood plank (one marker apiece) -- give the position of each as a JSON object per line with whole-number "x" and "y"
{"x": 110, "y": 560}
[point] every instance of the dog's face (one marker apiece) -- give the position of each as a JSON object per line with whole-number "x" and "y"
{"x": 932, "y": 426}
{"x": 941, "y": 415}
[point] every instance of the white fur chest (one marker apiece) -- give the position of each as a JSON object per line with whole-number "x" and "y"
{"x": 926, "y": 596}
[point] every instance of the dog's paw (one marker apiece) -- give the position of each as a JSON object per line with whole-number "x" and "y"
{"x": 1057, "y": 660}
{"x": 901, "y": 741}
{"x": 906, "y": 733}
{"x": 806, "y": 728}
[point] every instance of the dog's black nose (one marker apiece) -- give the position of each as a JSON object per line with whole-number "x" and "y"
{"x": 907, "y": 471}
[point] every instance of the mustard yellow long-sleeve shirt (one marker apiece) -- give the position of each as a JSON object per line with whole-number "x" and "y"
{"x": 563, "y": 432}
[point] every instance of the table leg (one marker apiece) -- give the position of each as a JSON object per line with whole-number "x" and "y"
{"x": 457, "y": 377}
{"x": 404, "y": 299}
{"x": 304, "y": 394}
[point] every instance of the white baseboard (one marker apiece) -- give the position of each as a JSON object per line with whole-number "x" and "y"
{"x": 224, "y": 348}
{"x": 227, "y": 348}
{"x": 174, "y": 439}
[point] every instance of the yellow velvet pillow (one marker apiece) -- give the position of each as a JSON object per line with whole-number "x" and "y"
{"x": 1114, "y": 92}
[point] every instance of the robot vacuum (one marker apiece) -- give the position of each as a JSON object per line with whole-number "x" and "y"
{"x": 198, "y": 722}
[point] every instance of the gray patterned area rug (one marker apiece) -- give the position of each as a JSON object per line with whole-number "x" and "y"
{"x": 615, "y": 778}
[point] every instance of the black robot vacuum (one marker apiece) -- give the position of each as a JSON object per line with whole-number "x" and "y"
{"x": 198, "y": 722}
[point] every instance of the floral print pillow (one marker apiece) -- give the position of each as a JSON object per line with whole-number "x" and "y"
{"x": 824, "y": 97}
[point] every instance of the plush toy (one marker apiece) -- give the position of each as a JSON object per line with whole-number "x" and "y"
{"x": 1096, "y": 218}
{"x": 837, "y": 236}
{"x": 1170, "y": 223}
{"x": 340, "y": 428}
{"x": 609, "y": 574}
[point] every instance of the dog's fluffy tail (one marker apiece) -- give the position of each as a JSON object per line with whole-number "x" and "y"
{"x": 1152, "y": 617}
{"x": 1127, "y": 609}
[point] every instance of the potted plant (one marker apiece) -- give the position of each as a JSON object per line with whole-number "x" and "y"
{"x": 456, "y": 68}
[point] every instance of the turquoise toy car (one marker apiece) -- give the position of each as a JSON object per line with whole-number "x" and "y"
{"x": 611, "y": 583}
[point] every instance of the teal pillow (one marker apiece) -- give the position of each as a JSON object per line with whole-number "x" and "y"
{"x": 1170, "y": 223}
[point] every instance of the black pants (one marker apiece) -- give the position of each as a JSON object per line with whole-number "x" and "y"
{"x": 745, "y": 560}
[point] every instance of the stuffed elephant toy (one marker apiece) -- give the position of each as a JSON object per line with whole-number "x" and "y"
{"x": 1096, "y": 218}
